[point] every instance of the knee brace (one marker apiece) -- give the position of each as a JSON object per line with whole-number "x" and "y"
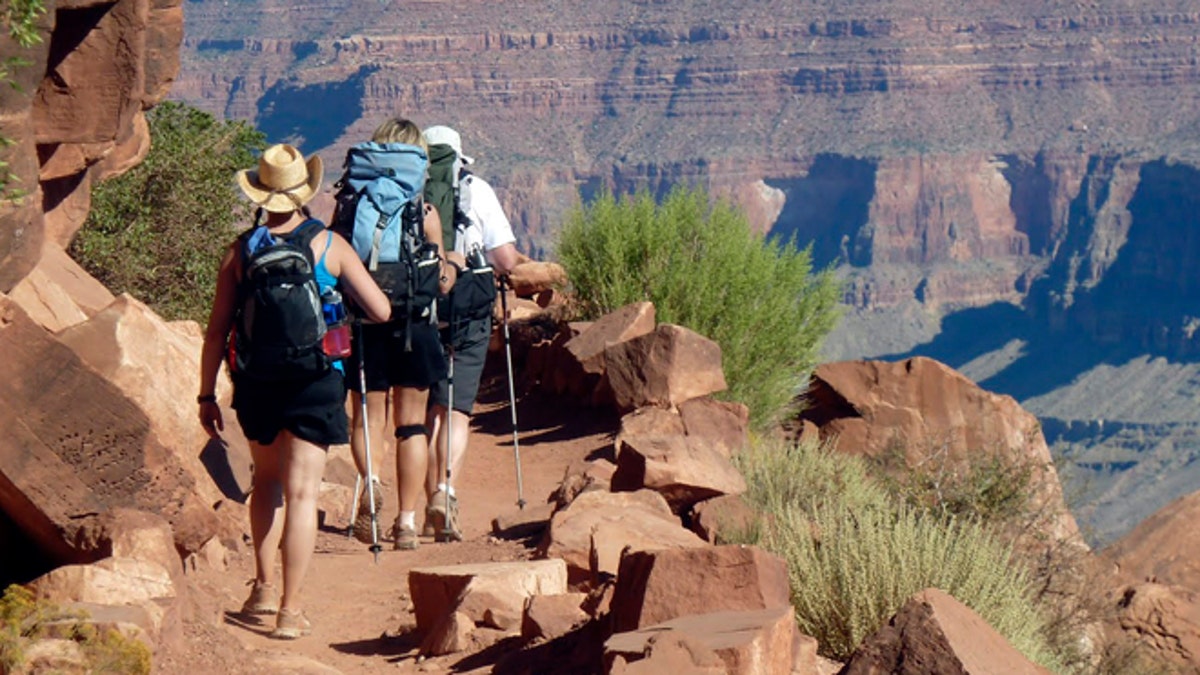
{"x": 409, "y": 430}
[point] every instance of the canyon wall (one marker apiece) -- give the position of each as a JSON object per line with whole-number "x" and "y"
{"x": 1008, "y": 188}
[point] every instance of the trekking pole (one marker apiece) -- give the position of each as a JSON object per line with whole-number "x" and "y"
{"x": 447, "y": 528}
{"x": 354, "y": 504}
{"x": 512, "y": 397}
{"x": 366, "y": 432}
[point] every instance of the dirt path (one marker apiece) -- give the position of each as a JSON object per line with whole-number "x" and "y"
{"x": 361, "y": 614}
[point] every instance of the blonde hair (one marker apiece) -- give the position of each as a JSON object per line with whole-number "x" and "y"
{"x": 399, "y": 130}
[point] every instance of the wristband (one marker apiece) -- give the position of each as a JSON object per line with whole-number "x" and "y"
{"x": 210, "y": 398}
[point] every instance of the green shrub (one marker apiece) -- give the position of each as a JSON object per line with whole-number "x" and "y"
{"x": 991, "y": 485}
{"x": 855, "y": 554}
{"x": 703, "y": 268}
{"x": 19, "y": 18}
{"x": 24, "y": 619}
{"x": 159, "y": 230}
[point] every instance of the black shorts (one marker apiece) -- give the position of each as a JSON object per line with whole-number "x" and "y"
{"x": 389, "y": 365}
{"x": 313, "y": 410}
{"x": 469, "y": 356}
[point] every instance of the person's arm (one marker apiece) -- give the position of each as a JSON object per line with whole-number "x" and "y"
{"x": 343, "y": 263}
{"x": 498, "y": 238}
{"x": 216, "y": 336}
{"x": 505, "y": 257}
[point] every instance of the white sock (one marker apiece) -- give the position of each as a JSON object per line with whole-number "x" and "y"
{"x": 408, "y": 519}
{"x": 442, "y": 488}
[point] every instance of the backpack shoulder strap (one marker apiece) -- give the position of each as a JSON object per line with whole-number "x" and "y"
{"x": 304, "y": 234}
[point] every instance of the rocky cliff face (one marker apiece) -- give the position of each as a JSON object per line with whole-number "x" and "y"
{"x": 77, "y": 116}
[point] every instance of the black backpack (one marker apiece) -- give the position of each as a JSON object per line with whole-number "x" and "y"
{"x": 380, "y": 211}
{"x": 279, "y": 325}
{"x": 474, "y": 293}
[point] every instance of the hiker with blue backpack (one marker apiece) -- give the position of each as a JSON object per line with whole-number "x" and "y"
{"x": 381, "y": 209}
{"x": 483, "y": 247}
{"x": 277, "y": 321}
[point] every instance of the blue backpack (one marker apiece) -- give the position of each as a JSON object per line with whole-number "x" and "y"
{"x": 380, "y": 210}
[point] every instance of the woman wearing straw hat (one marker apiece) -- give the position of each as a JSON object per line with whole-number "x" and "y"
{"x": 290, "y": 427}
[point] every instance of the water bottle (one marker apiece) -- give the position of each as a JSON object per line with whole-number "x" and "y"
{"x": 336, "y": 342}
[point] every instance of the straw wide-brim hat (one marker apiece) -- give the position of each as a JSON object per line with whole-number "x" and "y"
{"x": 284, "y": 181}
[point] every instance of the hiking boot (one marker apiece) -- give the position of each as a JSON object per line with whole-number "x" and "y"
{"x": 362, "y": 521}
{"x": 427, "y": 530}
{"x": 404, "y": 538}
{"x": 445, "y": 526}
{"x": 263, "y": 600}
{"x": 291, "y": 624}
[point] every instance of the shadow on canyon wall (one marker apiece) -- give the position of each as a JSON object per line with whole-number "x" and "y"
{"x": 313, "y": 115}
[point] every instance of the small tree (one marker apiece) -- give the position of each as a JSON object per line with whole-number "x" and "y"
{"x": 158, "y": 231}
{"x": 19, "y": 19}
{"x": 703, "y": 268}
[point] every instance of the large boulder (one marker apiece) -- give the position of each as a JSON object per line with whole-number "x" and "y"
{"x": 22, "y": 226}
{"x": 755, "y": 642}
{"x": 109, "y": 62}
{"x": 58, "y": 293}
{"x": 684, "y": 469}
{"x": 927, "y": 410}
{"x": 664, "y": 368}
{"x": 571, "y": 529}
{"x": 935, "y": 633}
{"x": 657, "y": 586}
{"x": 157, "y": 365}
{"x": 78, "y": 446}
{"x": 581, "y": 363}
{"x": 438, "y": 592}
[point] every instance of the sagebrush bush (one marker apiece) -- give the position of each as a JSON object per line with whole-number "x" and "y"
{"x": 703, "y": 268}
{"x": 159, "y": 230}
{"x": 24, "y": 619}
{"x": 855, "y": 553}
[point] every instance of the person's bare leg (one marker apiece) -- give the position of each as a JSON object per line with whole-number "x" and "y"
{"x": 460, "y": 433}
{"x": 437, "y": 454}
{"x": 412, "y": 452}
{"x": 266, "y": 508}
{"x": 303, "y": 466}
{"x": 378, "y": 417}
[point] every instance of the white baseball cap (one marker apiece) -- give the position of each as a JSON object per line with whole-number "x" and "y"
{"x": 446, "y": 136}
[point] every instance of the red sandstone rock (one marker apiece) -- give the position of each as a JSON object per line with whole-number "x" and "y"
{"x": 657, "y": 586}
{"x": 533, "y": 277}
{"x": 925, "y": 407}
{"x": 683, "y": 469}
{"x": 664, "y": 368}
{"x": 722, "y": 424}
{"x": 935, "y": 633}
{"x": 585, "y": 360}
{"x": 670, "y": 652}
{"x": 58, "y": 293}
{"x": 1167, "y": 618}
{"x": 1163, "y": 547}
{"x": 583, "y": 476}
{"x": 550, "y": 616}
{"x": 648, "y": 421}
{"x": 715, "y": 519}
{"x": 437, "y": 591}
{"x": 570, "y": 535}
{"x": 80, "y": 445}
{"x": 755, "y": 642}
{"x": 612, "y": 540}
